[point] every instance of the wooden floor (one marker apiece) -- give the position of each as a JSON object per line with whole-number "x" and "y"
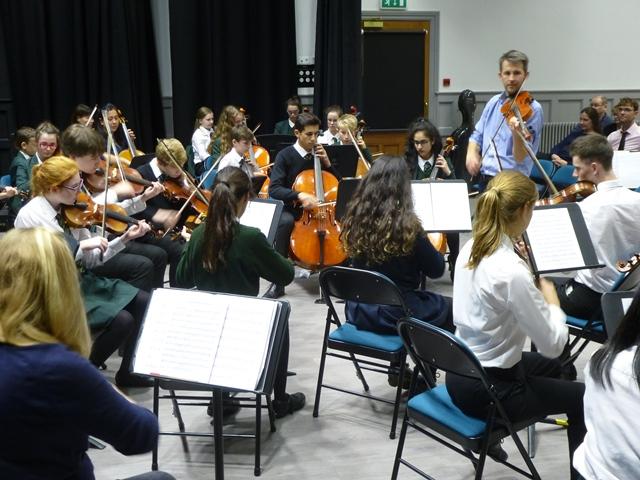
{"x": 349, "y": 440}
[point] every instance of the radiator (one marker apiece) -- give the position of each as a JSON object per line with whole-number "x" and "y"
{"x": 553, "y": 133}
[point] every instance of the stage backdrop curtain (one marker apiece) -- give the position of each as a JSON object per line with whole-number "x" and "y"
{"x": 240, "y": 52}
{"x": 64, "y": 52}
{"x": 338, "y": 55}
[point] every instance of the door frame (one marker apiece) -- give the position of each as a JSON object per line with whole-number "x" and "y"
{"x": 434, "y": 47}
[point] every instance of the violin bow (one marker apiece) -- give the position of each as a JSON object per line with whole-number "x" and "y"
{"x": 93, "y": 112}
{"x": 132, "y": 149}
{"x": 186, "y": 176}
{"x": 355, "y": 144}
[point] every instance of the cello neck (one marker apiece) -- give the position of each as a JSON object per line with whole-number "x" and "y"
{"x": 317, "y": 173}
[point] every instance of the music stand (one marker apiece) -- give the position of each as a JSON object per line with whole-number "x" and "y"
{"x": 614, "y": 307}
{"x": 141, "y": 160}
{"x": 346, "y": 188}
{"x": 344, "y": 159}
{"x": 274, "y": 143}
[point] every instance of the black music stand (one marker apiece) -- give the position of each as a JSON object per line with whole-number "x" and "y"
{"x": 141, "y": 160}
{"x": 344, "y": 159}
{"x": 346, "y": 188}
{"x": 274, "y": 143}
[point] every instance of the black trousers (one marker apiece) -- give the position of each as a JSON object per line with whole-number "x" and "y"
{"x": 173, "y": 249}
{"x": 283, "y": 233}
{"x": 528, "y": 390}
{"x": 577, "y": 299}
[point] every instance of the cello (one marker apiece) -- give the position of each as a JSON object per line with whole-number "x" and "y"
{"x": 315, "y": 239}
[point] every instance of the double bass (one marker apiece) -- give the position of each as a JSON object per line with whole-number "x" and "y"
{"x": 315, "y": 239}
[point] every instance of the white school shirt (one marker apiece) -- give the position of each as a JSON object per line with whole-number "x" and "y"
{"x": 200, "y": 140}
{"x": 39, "y": 213}
{"x": 611, "y": 447}
{"x": 327, "y": 138}
{"x": 612, "y": 215}
{"x": 496, "y": 306}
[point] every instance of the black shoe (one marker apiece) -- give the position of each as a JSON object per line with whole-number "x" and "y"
{"x": 392, "y": 378}
{"x": 496, "y": 452}
{"x": 275, "y": 291}
{"x": 129, "y": 380}
{"x": 293, "y": 403}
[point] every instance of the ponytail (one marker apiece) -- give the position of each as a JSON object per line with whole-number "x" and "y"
{"x": 230, "y": 187}
{"x": 506, "y": 194}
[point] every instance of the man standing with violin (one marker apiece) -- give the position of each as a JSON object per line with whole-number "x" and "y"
{"x": 497, "y": 142}
{"x": 290, "y": 161}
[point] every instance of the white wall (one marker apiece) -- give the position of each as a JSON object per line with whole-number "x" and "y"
{"x": 572, "y": 44}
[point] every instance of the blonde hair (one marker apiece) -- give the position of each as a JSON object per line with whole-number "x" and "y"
{"x": 171, "y": 147}
{"x": 349, "y": 122}
{"x": 52, "y": 173}
{"x": 497, "y": 208}
{"x": 40, "y": 300}
{"x": 226, "y": 121}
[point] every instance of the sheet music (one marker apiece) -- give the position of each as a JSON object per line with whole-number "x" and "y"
{"x": 553, "y": 240}
{"x": 242, "y": 353}
{"x": 181, "y": 342}
{"x": 259, "y": 215}
{"x": 626, "y": 166}
{"x": 219, "y": 340}
{"x": 442, "y": 205}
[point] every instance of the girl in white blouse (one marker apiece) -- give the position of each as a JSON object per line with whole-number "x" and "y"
{"x": 497, "y": 305}
{"x": 201, "y": 137}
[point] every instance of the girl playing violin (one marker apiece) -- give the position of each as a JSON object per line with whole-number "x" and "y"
{"x": 114, "y": 123}
{"x": 497, "y": 305}
{"x": 114, "y": 306}
{"x": 221, "y": 142}
{"x": 381, "y": 232}
{"x": 225, "y": 256}
{"x": 423, "y": 154}
{"x": 201, "y": 138}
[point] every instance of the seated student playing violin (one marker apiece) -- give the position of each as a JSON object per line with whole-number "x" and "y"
{"x": 114, "y": 124}
{"x": 238, "y": 156}
{"x": 112, "y": 305}
{"x": 381, "y": 232}
{"x": 290, "y": 162}
{"x": 142, "y": 263}
{"x": 52, "y": 397}
{"x": 589, "y": 122}
{"x": 230, "y": 117}
{"x": 483, "y": 160}
{"x": 294, "y": 108}
{"x": 330, "y": 136}
{"x": 225, "y": 256}
{"x": 423, "y": 154}
{"x": 82, "y": 115}
{"x": 496, "y": 306}
{"x": 611, "y": 216}
{"x": 46, "y": 145}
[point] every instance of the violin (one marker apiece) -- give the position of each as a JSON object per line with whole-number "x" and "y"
{"x": 85, "y": 213}
{"x": 569, "y": 194}
{"x": 520, "y": 106}
{"x": 180, "y": 191}
{"x": 131, "y": 151}
{"x": 628, "y": 265}
{"x": 439, "y": 239}
{"x": 315, "y": 239}
{"x": 95, "y": 181}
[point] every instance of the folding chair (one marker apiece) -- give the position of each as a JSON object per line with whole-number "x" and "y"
{"x": 363, "y": 286}
{"x": 433, "y": 412}
{"x": 593, "y": 328}
{"x": 202, "y": 400}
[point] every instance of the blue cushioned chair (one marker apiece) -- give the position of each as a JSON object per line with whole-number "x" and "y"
{"x": 345, "y": 341}
{"x": 563, "y": 177}
{"x": 5, "y": 180}
{"x": 433, "y": 410}
{"x": 536, "y": 175}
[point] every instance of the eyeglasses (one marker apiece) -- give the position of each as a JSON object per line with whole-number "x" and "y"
{"x": 421, "y": 143}
{"x": 47, "y": 145}
{"x": 74, "y": 188}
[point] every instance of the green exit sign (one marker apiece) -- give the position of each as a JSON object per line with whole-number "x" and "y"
{"x": 393, "y": 4}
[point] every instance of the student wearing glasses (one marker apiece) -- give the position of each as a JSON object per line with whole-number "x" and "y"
{"x": 113, "y": 306}
{"x": 294, "y": 107}
{"x": 46, "y": 146}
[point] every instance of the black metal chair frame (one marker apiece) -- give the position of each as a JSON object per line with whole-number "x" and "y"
{"x": 350, "y": 284}
{"x": 432, "y": 347}
{"x": 244, "y": 400}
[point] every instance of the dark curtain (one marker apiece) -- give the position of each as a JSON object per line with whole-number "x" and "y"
{"x": 64, "y": 52}
{"x": 338, "y": 55}
{"x": 240, "y": 52}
